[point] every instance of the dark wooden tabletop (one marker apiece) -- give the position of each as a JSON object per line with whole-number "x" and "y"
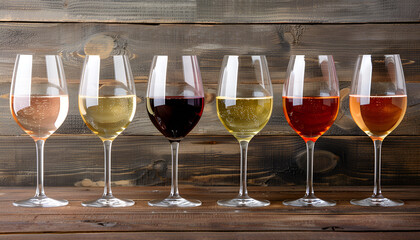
{"x": 210, "y": 221}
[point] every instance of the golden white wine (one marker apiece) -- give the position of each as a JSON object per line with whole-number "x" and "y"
{"x": 107, "y": 116}
{"x": 244, "y": 117}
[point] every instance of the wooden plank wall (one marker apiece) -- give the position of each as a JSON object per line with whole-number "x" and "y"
{"x": 211, "y": 29}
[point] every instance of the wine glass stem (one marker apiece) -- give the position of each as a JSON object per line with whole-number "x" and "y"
{"x": 174, "y": 182}
{"x": 107, "y": 168}
{"x": 243, "y": 192}
{"x": 40, "y": 168}
{"x": 310, "y": 169}
{"x": 377, "y": 181}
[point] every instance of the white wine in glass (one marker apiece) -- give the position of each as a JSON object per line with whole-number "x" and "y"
{"x": 107, "y": 103}
{"x": 244, "y": 104}
{"x": 39, "y": 104}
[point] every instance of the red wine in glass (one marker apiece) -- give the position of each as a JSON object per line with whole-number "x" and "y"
{"x": 310, "y": 117}
{"x": 175, "y": 116}
{"x": 175, "y": 102}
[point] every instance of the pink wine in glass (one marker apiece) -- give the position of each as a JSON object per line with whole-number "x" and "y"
{"x": 378, "y": 116}
{"x": 310, "y": 117}
{"x": 175, "y": 116}
{"x": 38, "y": 115}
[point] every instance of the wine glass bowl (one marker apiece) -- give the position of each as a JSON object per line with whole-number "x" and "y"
{"x": 175, "y": 102}
{"x": 107, "y": 104}
{"x": 378, "y": 101}
{"x": 310, "y": 105}
{"x": 244, "y": 106}
{"x": 39, "y": 104}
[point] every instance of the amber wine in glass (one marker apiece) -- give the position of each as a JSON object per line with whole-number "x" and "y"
{"x": 310, "y": 105}
{"x": 107, "y": 103}
{"x": 378, "y": 101}
{"x": 39, "y": 104}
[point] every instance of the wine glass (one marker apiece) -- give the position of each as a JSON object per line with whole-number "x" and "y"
{"x": 244, "y": 105}
{"x": 107, "y": 104}
{"x": 39, "y": 104}
{"x": 378, "y": 101}
{"x": 310, "y": 105}
{"x": 175, "y": 102}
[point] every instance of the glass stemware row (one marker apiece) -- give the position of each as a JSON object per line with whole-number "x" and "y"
{"x": 175, "y": 102}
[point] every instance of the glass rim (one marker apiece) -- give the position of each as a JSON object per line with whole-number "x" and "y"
{"x": 172, "y": 55}
{"x": 379, "y": 54}
{"x": 37, "y": 55}
{"x": 311, "y": 55}
{"x": 245, "y": 55}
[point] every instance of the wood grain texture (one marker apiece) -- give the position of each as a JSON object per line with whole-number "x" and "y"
{"x": 210, "y": 43}
{"x": 210, "y": 161}
{"x": 330, "y": 235}
{"x": 202, "y": 11}
{"x": 344, "y": 217}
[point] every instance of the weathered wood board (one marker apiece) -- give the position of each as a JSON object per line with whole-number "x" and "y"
{"x": 210, "y": 161}
{"x": 414, "y": 235}
{"x": 343, "y": 218}
{"x": 202, "y": 11}
{"x": 210, "y": 43}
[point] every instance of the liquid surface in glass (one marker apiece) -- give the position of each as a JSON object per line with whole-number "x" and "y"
{"x": 378, "y": 116}
{"x": 39, "y": 115}
{"x": 310, "y": 117}
{"x": 107, "y": 116}
{"x": 175, "y": 116}
{"x": 244, "y": 117}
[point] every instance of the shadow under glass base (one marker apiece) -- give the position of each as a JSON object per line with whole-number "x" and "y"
{"x": 108, "y": 201}
{"x": 41, "y": 201}
{"x": 245, "y": 201}
{"x": 309, "y": 202}
{"x": 377, "y": 202}
{"x": 175, "y": 201}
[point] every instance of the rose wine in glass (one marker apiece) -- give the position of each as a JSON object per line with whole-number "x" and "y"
{"x": 244, "y": 104}
{"x": 107, "y": 104}
{"x": 39, "y": 104}
{"x": 175, "y": 103}
{"x": 378, "y": 101}
{"x": 310, "y": 104}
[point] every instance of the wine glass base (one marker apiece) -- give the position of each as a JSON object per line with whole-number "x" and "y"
{"x": 309, "y": 202}
{"x": 377, "y": 202}
{"x": 243, "y": 202}
{"x": 175, "y": 202}
{"x": 40, "y": 201}
{"x": 109, "y": 202}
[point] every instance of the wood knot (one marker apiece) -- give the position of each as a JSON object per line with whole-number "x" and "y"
{"x": 325, "y": 161}
{"x": 332, "y": 228}
{"x": 105, "y": 45}
{"x": 102, "y": 224}
{"x": 99, "y": 44}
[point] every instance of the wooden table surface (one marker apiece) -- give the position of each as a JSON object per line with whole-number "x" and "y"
{"x": 210, "y": 221}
